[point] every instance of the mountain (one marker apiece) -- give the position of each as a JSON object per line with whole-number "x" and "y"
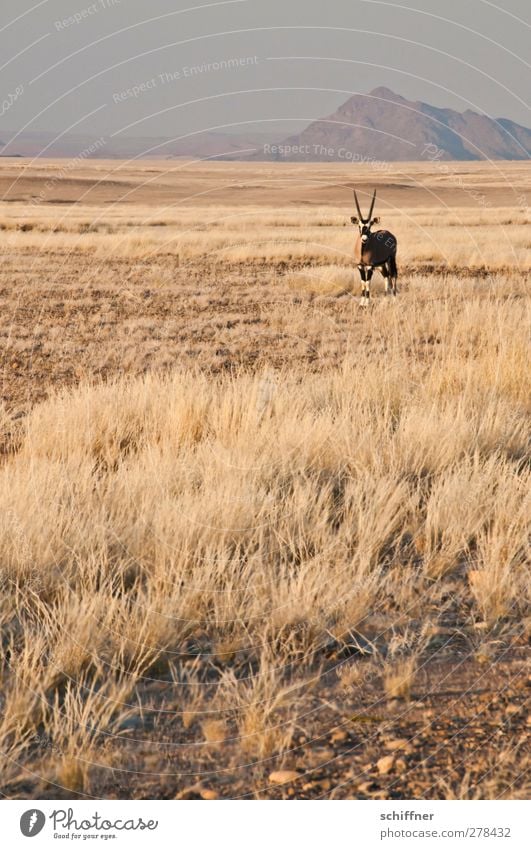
{"x": 379, "y": 126}
{"x": 384, "y": 126}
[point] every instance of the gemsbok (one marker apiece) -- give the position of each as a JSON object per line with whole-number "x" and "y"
{"x": 374, "y": 250}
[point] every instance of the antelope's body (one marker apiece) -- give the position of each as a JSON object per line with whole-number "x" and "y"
{"x": 374, "y": 249}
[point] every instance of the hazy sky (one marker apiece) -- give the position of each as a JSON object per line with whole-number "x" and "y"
{"x": 287, "y": 61}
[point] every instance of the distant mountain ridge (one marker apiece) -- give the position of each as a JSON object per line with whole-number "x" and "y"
{"x": 379, "y": 126}
{"x": 75, "y": 146}
{"x": 385, "y": 126}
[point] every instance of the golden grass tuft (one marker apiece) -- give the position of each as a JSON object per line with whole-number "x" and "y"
{"x": 324, "y": 280}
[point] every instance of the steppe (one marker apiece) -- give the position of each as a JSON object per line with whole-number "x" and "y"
{"x": 256, "y": 540}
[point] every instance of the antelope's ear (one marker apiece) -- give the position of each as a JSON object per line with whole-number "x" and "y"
{"x": 353, "y": 219}
{"x": 375, "y": 221}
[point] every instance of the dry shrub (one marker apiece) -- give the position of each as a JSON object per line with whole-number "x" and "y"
{"x": 399, "y": 678}
{"x": 264, "y": 706}
{"x": 256, "y": 235}
{"x": 500, "y": 583}
{"x": 324, "y": 280}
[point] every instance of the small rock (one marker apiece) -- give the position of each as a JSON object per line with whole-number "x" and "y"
{"x": 367, "y": 787}
{"x": 132, "y": 723}
{"x": 338, "y": 736}
{"x": 399, "y": 745}
{"x": 323, "y": 755}
{"x": 510, "y": 710}
{"x": 283, "y": 776}
{"x": 207, "y": 793}
{"x": 189, "y": 793}
{"x": 385, "y": 764}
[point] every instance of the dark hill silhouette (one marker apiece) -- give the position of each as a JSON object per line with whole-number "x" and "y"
{"x": 380, "y": 126}
{"x": 385, "y": 126}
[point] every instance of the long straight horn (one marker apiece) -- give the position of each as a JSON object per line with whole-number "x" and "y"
{"x": 372, "y": 205}
{"x": 360, "y": 216}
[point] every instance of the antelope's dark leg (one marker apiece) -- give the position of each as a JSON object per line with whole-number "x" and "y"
{"x": 385, "y": 272}
{"x": 393, "y": 271}
{"x": 368, "y": 277}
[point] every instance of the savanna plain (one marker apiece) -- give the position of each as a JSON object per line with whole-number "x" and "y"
{"x": 256, "y": 540}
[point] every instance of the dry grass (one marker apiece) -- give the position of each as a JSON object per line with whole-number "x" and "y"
{"x": 324, "y": 280}
{"x": 453, "y": 237}
{"x": 150, "y": 509}
{"x": 223, "y": 532}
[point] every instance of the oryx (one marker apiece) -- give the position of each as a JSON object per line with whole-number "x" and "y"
{"x": 374, "y": 250}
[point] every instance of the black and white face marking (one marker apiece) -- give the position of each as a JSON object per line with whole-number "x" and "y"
{"x": 364, "y": 226}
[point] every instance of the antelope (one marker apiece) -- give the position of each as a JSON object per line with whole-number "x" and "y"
{"x": 374, "y": 250}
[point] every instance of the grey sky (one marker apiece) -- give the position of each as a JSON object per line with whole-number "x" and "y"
{"x": 479, "y": 59}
